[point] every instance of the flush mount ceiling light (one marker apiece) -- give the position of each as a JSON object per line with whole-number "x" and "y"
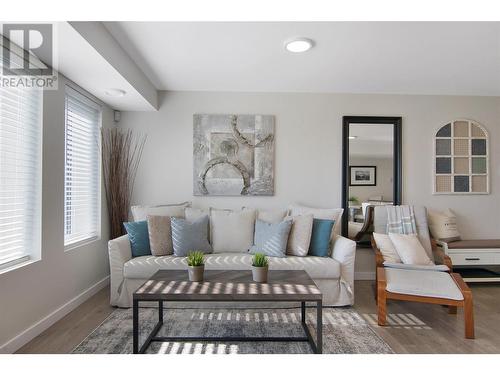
{"x": 298, "y": 45}
{"x": 116, "y": 93}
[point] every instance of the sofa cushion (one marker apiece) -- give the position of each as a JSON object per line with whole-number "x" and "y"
{"x": 232, "y": 231}
{"x": 320, "y": 237}
{"x": 386, "y": 247}
{"x": 271, "y": 238}
{"x": 271, "y": 216}
{"x": 187, "y": 237}
{"x": 193, "y": 214}
{"x": 140, "y": 213}
{"x": 380, "y": 225}
{"x": 409, "y": 249}
{"x": 334, "y": 214}
{"x": 139, "y": 238}
{"x": 300, "y": 235}
{"x": 160, "y": 235}
{"x": 422, "y": 283}
{"x": 317, "y": 267}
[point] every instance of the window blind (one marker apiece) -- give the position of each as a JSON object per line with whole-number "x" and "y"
{"x": 20, "y": 174}
{"x": 82, "y": 168}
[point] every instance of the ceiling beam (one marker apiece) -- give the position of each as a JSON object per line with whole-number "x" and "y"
{"x": 106, "y": 45}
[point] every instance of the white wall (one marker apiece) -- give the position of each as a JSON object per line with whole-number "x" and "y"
{"x": 31, "y": 293}
{"x": 309, "y": 146}
{"x": 384, "y": 184}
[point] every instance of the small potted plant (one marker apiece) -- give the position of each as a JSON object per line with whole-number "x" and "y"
{"x": 196, "y": 265}
{"x": 260, "y": 266}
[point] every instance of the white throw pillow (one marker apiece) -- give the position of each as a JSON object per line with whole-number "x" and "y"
{"x": 232, "y": 231}
{"x": 300, "y": 235}
{"x": 386, "y": 247}
{"x": 409, "y": 249}
{"x": 140, "y": 213}
{"x": 443, "y": 225}
{"x": 320, "y": 213}
{"x": 271, "y": 216}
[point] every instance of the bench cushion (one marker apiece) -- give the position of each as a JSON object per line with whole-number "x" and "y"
{"x": 422, "y": 283}
{"x": 317, "y": 267}
{"x": 474, "y": 244}
{"x": 434, "y": 267}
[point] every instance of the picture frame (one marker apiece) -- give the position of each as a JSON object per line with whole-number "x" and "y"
{"x": 363, "y": 175}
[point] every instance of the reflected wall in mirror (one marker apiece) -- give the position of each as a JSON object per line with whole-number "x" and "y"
{"x": 372, "y": 171}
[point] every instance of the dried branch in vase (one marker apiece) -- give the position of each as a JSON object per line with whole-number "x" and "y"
{"x": 121, "y": 155}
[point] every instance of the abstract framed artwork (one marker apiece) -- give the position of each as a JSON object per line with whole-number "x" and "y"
{"x": 363, "y": 175}
{"x": 233, "y": 154}
{"x": 461, "y": 158}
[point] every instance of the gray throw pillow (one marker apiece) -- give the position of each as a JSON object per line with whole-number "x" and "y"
{"x": 188, "y": 236}
{"x": 271, "y": 239}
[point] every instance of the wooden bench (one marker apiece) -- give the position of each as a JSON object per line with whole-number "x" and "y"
{"x": 474, "y": 253}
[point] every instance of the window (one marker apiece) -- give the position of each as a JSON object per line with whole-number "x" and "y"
{"x": 461, "y": 159}
{"x": 20, "y": 175}
{"x": 82, "y": 168}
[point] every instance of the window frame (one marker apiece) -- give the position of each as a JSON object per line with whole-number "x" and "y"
{"x": 35, "y": 253}
{"x": 96, "y": 104}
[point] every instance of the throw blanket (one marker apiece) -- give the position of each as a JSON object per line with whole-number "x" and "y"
{"x": 401, "y": 220}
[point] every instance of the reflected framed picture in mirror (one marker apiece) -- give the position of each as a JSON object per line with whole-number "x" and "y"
{"x": 363, "y": 175}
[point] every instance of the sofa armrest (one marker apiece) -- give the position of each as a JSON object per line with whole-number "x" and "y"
{"x": 119, "y": 253}
{"x": 344, "y": 252}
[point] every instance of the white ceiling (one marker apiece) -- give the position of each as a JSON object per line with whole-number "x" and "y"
{"x": 454, "y": 58}
{"x": 372, "y": 132}
{"x": 372, "y": 140}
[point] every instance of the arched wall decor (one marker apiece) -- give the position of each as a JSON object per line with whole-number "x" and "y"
{"x": 461, "y": 158}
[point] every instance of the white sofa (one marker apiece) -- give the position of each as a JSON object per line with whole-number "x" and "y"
{"x": 334, "y": 275}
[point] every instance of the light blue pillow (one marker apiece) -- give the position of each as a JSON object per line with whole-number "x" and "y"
{"x": 139, "y": 237}
{"x": 190, "y": 236}
{"x": 320, "y": 237}
{"x": 271, "y": 239}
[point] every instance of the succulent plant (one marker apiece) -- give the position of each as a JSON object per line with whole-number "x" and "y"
{"x": 260, "y": 260}
{"x": 195, "y": 259}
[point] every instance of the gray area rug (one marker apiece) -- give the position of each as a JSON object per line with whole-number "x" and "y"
{"x": 344, "y": 331}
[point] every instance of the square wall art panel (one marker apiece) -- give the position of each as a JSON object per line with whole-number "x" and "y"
{"x": 233, "y": 154}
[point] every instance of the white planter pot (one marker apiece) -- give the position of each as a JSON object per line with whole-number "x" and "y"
{"x": 196, "y": 273}
{"x": 259, "y": 274}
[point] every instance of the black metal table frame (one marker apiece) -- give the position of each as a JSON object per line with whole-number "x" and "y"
{"x": 317, "y": 347}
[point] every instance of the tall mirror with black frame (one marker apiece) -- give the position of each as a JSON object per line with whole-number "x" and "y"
{"x": 372, "y": 171}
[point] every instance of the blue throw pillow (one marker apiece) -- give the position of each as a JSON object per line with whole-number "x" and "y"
{"x": 271, "y": 239}
{"x": 187, "y": 237}
{"x": 320, "y": 237}
{"x": 139, "y": 237}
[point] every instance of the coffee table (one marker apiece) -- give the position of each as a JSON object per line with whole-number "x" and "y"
{"x": 228, "y": 286}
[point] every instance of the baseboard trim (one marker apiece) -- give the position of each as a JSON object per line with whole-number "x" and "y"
{"x": 364, "y": 275}
{"x": 30, "y": 333}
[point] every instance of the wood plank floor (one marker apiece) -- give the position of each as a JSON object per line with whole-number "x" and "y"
{"x": 67, "y": 333}
{"x": 423, "y": 328}
{"x": 413, "y": 328}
